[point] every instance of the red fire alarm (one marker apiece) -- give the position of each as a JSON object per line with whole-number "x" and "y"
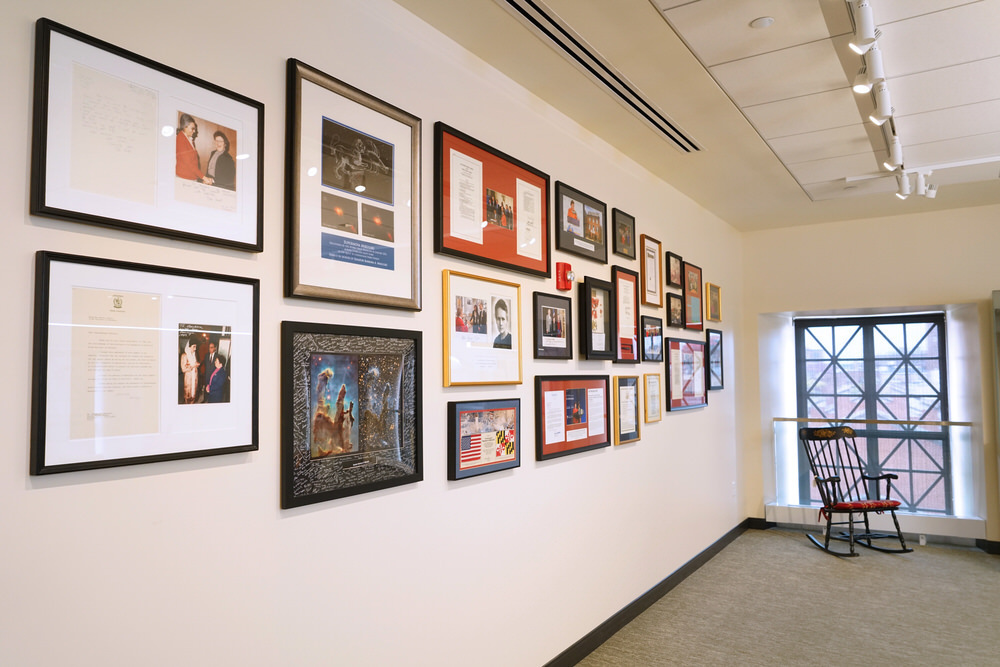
{"x": 564, "y": 276}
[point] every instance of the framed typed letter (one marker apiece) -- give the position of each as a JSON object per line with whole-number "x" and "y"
{"x": 489, "y": 207}
{"x": 675, "y": 270}
{"x": 652, "y": 271}
{"x": 483, "y": 437}
{"x": 626, "y": 314}
{"x": 482, "y": 330}
{"x": 686, "y": 374}
{"x": 596, "y": 328}
{"x": 652, "y": 338}
{"x": 626, "y": 409}
{"x": 624, "y": 233}
{"x": 714, "y": 341}
{"x": 713, "y": 305}
{"x": 553, "y": 326}
{"x": 675, "y": 310}
{"x": 122, "y": 141}
{"x": 571, "y": 414}
{"x": 692, "y": 297}
{"x": 582, "y": 224}
{"x": 653, "y": 396}
{"x": 350, "y": 411}
{"x": 136, "y": 363}
{"x": 353, "y": 197}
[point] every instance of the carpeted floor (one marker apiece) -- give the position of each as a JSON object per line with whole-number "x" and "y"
{"x": 771, "y": 598}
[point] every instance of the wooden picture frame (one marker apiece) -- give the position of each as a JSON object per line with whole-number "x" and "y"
{"x": 350, "y": 411}
{"x": 572, "y": 414}
{"x": 121, "y": 364}
{"x": 596, "y": 331}
{"x": 686, "y": 381}
{"x": 625, "y": 315}
{"x": 674, "y": 272}
{"x": 553, "y": 326}
{"x": 626, "y": 399}
{"x": 623, "y": 225}
{"x": 692, "y": 297}
{"x": 651, "y": 269}
{"x": 675, "y": 310}
{"x": 352, "y": 194}
{"x": 714, "y": 368}
{"x": 116, "y": 143}
{"x": 652, "y": 338}
{"x": 713, "y": 304}
{"x": 483, "y": 437}
{"x": 482, "y": 330}
{"x": 652, "y": 397}
{"x": 474, "y": 183}
{"x": 582, "y": 226}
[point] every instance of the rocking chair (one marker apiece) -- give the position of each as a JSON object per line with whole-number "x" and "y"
{"x": 845, "y": 488}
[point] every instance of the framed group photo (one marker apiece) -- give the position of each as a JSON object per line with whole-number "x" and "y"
{"x": 692, "y": 297}
{"x": 483, "y": 437}
{"x": 553, "y": 326}
{"x": 572, "y": 414}
{"x": 583, "y": 224}
{"x": 624, "y": 233}
{"x": 482, "y": 330}
{"x": 596, "y": 323}
{"x": 626, "y": 314}
{"x": 686, "y": 386}
{"x": 353, "y": 194}
{"x": 122, "y": 141}
{"x": 136, "y": 363}
{"x": 713, "y": 339}
{"x": 626, "y": 400}
{"x": 350, "y": 411}
{"x": 651, "y": 270}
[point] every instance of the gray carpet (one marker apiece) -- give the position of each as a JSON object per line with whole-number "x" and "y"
{"x": 771, "y": 598}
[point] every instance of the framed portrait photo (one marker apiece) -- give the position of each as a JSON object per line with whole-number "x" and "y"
{"x": 692, "y": 297}
{"x": 713, "y": 304}
{"x": 572, "y": 414}
{"x": 652, "y": 271}
{"x": 483, "y": 437}
{"x": 652, "y": 338}
{"x": 623, "y": 225}
{"x": 350, "y": 411}
{"x": 675, "y": 310}
{"x": 713, "y": 339}
{"x": 553, "y": 326}
{"x": 489, "y": 207}
{"x": 675, "y": 270}
{"x": 686, "y": 386}
{"x": 596, "y": 323}
{"x": 582, "y": 227}
{"x": 122, "y": 141}
{"x": 353, "y": 194}
{"x": 136, "y": 363}
{"x": 626, "y": 400}
{"x": 482, "y": 330}
{"x": 625, "y": 316}
{"x": 653, "y": 395}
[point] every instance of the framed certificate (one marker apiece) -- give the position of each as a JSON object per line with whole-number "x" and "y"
{"x": 572, "y": 414}
{"x": 653, "y": 395}
{"x": 686, "y": 386}
{"x": 626, "y": 399}
{"x": 626, "y": 314}
{"x": 482, "y": 330}
{"x": 651, "y": 271}
{"x": 136, "y": 363}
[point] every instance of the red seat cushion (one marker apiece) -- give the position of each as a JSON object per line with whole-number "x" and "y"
{"x": 858, "y": 505}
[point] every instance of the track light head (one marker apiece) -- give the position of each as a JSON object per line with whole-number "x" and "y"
{"x": 861, "y": 83}
{"x": 883, "y": 104}
{"x": 931, "y": 192}
{"x": 904, "y": 185}
{"x": 871, "y": 71}
{"x": 865, "y": 32}
{"x": 895, "y": 159}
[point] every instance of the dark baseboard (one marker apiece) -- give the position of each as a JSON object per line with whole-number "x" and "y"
{"x": 586, "y": 645}
{"x": 989, "y": 546}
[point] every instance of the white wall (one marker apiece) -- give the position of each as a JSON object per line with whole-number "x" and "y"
{"x": 192, "y": 562}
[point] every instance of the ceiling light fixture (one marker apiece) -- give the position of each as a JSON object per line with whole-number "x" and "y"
{"x": 895, "y": 159}
{"x": 865, "y": 32}
{"x": 904, "y": 186}
{"x": 921, "y": 183}
{"x": 883, "y": 104}
{"x": 871, "y": 71}
{"x": 762, "y": 22}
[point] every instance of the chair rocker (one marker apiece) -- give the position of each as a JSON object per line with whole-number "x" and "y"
{"x": 845, "y": 488}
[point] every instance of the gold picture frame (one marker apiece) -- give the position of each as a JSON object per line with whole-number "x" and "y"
{"x": 652, "y": 397}
{"x": 626, "y": 405}
{"x": 713, "y": 303}
{"x": 482, "y": 330}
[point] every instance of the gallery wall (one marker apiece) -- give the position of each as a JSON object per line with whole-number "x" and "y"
{"x": 193, "y": 562}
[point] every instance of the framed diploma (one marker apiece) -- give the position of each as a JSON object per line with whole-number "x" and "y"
{"x": 651, "y": 271}
{"x": 624, "y": 233}
{"x": 350, "y": 411}
{"x": 626, "y": 395}
{"x": 122, "y": 141}
{"x": 652, "y": 338}
{"x": 136, "y": 363}
{"x": 553, "y": 318}
{"x": 692, "y": 297}
{"x": 686, "y": 386}
{"x": 653, "y": 396}
{"x": 572, "y": 414}
{"x": 596, "y": 328}
{"x": 482, "y": 330}
{"x": 483, "y": 437}
{"x": 353, "y": 194}
{"x": 713, "y": 339}
{"x": 489, "y": 207}
{"x": 583, "y": 224}
{"x": 675, "y": 270}
{"x": 625, "y": 315}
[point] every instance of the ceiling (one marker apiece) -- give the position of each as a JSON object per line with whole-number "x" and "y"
{"x": 780, "y": 138}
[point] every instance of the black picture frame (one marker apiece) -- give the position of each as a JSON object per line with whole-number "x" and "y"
{"x": 714, "y": 368}
{"x": 626, "y": 310}
{"x": 146, "y": 179}
{"x": 673, "y": 270}
{"x": 596, "y": 319}
{"x": 623, "y": 226}
{"x": 675, "y": 310}
{"x": 483, "y": 437}
{"x": 553, "y": 326}
{"x": 693, "y": 297}
{"x": 565, "y": 413}
{"x": 583, "y": 224}
{"x": 384, "y": 445}
{"x": 652, "y": 338}
{"x": 686, "y": 377}
{"x": 149, "y": 329}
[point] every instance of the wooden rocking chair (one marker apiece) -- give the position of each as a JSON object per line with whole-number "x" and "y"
{"x": 845, "y": 488}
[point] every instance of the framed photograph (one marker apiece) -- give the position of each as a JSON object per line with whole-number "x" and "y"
{"x": 653, "y": 394}
{"x": 582, "y": 224}
{"x": 136, "y": 363}
{"x": 713, "y": 305}
{"x": 675, "y": 310}
{"x": 675, "y": 270}
{"x": 652, "y": 271}
{"x": 572, "y": 414}
{"x": 483, "y": 437}
{"x": 482, "y": 330}
{"x": 350, "y": 411}
{"x": 713, "y": 338}
{"x": 122, "y": 141}
{"x": 626, "y": 409}
{"x": 624, "y": 232}
{"x": 626, "y": 314}
{"x": 652, "y": 338}
{"x": 596, "y": 324}
{"x": 352, "y": 194}
{"x": 692, "y": 297}
{"x": 489, "y": 207}
{"x": 686, "y": 386}
{"x": 553, "y": 317}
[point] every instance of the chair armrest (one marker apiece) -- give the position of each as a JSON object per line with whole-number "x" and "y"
{"x": 887, "y": 475}
{"x": 833, "y": 479}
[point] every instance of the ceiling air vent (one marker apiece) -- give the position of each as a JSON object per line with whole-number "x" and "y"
{"x": 547, "y": 26}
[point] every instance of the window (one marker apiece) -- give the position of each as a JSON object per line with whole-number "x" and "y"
{"x": 887, "y": 369}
